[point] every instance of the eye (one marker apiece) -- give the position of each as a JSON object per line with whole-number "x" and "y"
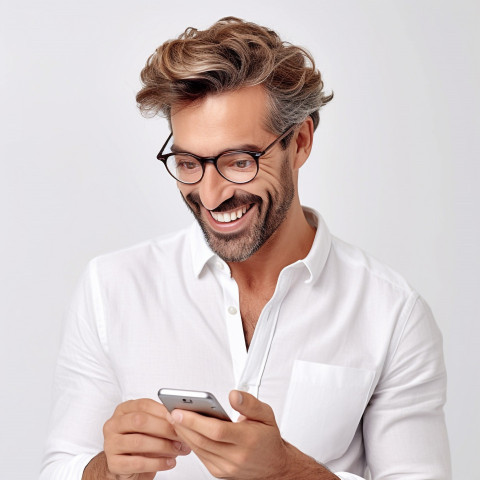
{"x": 237, "y": 161}
{"x": 185, "y": 162}
{"x": 242, "y": 164}
{"x": 187, "y": 165}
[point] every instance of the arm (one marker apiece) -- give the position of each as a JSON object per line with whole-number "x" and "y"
{"x": 85, "y": 389}
{"x": 85, "y": 395}
{"x": 404, "y": 426}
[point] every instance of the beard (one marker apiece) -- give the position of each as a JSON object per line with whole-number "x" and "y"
{"x": 271, "y": 212}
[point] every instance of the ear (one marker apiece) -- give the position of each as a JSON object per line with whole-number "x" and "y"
{"x": 302, "y": 142}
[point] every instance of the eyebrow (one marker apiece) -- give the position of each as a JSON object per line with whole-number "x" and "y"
{"x": 247, "y": 147}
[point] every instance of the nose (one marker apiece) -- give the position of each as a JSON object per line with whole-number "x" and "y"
{"x": 213, "y": 188}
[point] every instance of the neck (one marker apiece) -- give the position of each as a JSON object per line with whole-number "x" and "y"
{"x": 291, "y": 242}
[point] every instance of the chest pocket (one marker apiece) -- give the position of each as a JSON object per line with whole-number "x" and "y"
{"x": 324, "y": 406}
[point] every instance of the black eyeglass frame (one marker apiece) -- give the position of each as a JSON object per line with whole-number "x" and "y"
{"x": 203, "y": 160}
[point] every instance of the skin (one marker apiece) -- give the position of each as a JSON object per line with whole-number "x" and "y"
{"x": 142, "y": 438}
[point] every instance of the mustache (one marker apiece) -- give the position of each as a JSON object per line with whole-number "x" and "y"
{"x": 237, "y": 200}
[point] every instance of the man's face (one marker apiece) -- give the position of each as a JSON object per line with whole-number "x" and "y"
{"x": 237, "y": 220}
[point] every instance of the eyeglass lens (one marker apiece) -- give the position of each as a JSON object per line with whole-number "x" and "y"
{"x": 238, "y": 167}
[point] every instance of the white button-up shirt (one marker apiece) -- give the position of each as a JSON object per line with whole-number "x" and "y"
{"x": 346, "y": 352}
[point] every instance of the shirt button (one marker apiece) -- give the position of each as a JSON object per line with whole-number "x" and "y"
{"x": 232, "y": 310}
{"x": 220, "y": 265}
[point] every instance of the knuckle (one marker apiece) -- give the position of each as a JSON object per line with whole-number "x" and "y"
{"x": 218, "y": 432}
{"x": 163, "y": 410}
{"x": 126, "y": 465}
{"x": 136, "y": 464}
{"x": 142, "y": 404}
{"x": 232, "y": 470}
{"x": 114, "y": 464}
{"x": 120, "y": 408}
{"x": 107, "y": 427}
{"x": 138, "y": 420}
{"x": 202, "y": 442}
{"x": 269, "y": 410}
{"x": 136, "y": 442}
{"x": 243, "y": 458}
{"x": 107, "y": 448}
{"x": 216, "y": 471}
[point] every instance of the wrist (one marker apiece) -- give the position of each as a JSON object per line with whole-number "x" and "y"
{"x": 299, "y": 465}
{"x": 97, "y": 469}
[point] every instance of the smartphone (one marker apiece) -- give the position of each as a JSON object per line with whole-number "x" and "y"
{"x": 204, "y": 403}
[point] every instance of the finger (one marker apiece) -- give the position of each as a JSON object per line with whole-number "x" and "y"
{"x": 223, "y": 460}
{"x": 212, "y": 428}
{"x": 196, "y": 441}
{"x": 135, "y": 444}
{"x": 132, "y": 464}
{"x": 252, "y": 408}
{"x": 140, "y": 422}
{"x": 218, "y": 465}
{"x": 142, "y": 405}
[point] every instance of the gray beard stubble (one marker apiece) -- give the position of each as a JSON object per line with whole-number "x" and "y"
{"x": 274, "y": 216}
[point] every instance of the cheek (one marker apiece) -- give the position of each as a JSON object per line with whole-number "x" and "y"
{"x": 272, "y": 182}
{"x": 276, "y": 172}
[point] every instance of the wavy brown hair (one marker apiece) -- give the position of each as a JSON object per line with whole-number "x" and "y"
{"x": 229, "y": 55}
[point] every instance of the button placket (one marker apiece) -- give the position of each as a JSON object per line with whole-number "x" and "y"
{"x": 233, "y": 323}
{"x": 262, "y": 339}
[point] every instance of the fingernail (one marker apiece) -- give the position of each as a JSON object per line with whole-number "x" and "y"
{"x": 239, "y": 398}
{"x": 185, "y": 448}
{"x": 171, "y": 462}
{"x": 177, "y": 416}
{"x": 177, "y": 445}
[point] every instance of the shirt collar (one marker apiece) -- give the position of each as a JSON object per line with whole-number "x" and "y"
{"x": 201, "y": 252}
{"x": 317, "y": 256}
{"x": 314, "y": 262}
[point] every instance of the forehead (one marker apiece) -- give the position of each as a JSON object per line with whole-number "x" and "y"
{"x": 222, "y": 121}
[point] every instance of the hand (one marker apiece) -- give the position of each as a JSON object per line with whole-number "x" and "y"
{"x": 250, "y": 448}
{"x": 139, "y": 441}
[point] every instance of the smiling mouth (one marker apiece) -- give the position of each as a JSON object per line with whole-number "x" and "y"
{"x": 227, "y": 217}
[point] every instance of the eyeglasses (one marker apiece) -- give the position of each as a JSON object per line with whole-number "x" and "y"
{"x": 236, "y": 166}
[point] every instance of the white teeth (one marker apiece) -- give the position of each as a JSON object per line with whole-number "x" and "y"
{"x": 228, "y": 217}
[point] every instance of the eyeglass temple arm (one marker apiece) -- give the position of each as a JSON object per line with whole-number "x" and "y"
{"x": 164, "y": 145}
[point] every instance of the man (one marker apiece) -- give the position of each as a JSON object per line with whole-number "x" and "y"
{"x": 331, "y": 363}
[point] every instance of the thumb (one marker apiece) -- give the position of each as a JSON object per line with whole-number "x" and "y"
{"x": 252, "y": 408}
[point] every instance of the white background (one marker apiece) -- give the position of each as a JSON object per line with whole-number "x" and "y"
{"x": 395, "y": 168}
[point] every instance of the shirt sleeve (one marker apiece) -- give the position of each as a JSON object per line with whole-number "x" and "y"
{"x": 85, "y": 390}
{"x": 403, "y": 426}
